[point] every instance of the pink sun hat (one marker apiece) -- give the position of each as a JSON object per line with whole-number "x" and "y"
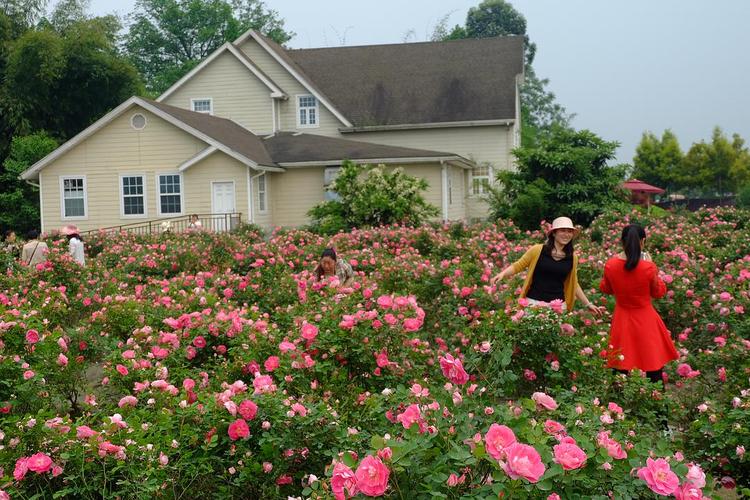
{"x": 70, "y": 229}
{"x": 563, "y": 223}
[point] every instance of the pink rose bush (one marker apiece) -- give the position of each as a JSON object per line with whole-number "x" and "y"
{"x": 218, "y": 365}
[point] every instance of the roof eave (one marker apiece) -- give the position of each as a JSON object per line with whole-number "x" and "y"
{"x": 456, "y": 159}
{"x": 412, "y": 126}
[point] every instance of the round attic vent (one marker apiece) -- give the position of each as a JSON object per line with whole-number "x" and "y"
{"x": 138, "y": 121}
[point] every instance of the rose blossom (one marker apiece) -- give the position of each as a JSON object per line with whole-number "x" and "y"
{"x": 238, "y": 430}
{"x": 32, "y": 336}
{"x": 39, "y": 463}
{"x": 343, "y": 481}
{"x": 497, "y": 439}
{"x": 544, "y": 401}
{"x": 659, "y": 476}
{"x": 409, "y": 416}
{"x": 372, "y": 476}
{"x": 523, "y": 461}
{"x": 453, "y": 369}
{"x": 569, "y": 455}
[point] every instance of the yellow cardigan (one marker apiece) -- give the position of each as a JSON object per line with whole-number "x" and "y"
{"x": 529, "y": 260}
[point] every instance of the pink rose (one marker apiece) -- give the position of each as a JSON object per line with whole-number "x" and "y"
{"x": 199, "y": 342}
{"x": 523, "y": 461}
{"x": 695, "y": 475}
{"x": 412, "y": 324}
{"x": 32, "y": 336}
{"x": 659, "y": 476}
{"x": 122, "y": 370}
{"x": 688, "y": 492}
{"x": 372, "y": 476}
{"x": 62, "y": 359}
{"x": 385, "y": 301}
{"x": 569, "y": 455}
{"x": 39, "y": 463}
{"x": 497, "y": 439}
{"x": 248, "y": 409}
{"x": 409, "y": 416}
{"x": 453, "y": 369}
{"x": 309, "y": 331}
{"x": 127, "y": 401}
{"x": 544, "y": 401}
{"x": 238, "y": 430}
{"x": 22, "y": 466}
{"x": 85, "y": 432}
{"x": 271, "y": 363}
{"x": 553, "y": 427}
{"x": 343, "y": 481}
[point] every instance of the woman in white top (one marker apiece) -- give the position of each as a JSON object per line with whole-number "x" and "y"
{"x": 75, "y": 243}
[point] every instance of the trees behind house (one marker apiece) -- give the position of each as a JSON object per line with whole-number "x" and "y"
{"x": 540, "y": 111}
{"x": 168, "y": 38}
{"x": 713, "y": 168}
{"x": 368, "y": 196}
{"x": 566, "y": 173}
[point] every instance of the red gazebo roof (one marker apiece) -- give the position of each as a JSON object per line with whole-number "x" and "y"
{"x": 636, "y": 185}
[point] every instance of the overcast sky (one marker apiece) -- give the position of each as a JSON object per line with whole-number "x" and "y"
{"x": 622, "y": 66}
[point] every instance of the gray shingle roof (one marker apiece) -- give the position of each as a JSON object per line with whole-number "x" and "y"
{"x": 288, "y": 147}
{"x": 429, "y": 82}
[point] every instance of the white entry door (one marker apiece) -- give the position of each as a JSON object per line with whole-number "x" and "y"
{"x": 222, "y": 203}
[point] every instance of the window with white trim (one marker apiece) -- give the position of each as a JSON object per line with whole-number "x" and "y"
{"x": 73, "y": 196}
{"x": 262, "y": 194}
{"x": 307, "y": 111}
{"x": 329, "y": 176}
{"x": 133, "y": 193}
{"x": 170, "y": 194}
{"x": 480, "y": 179}
{"x": 202, "y": 105}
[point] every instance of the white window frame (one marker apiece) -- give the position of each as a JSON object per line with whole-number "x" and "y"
{"x": 123, "y": 215}
{"x": 262, "y": 194}
{"x": 472, "y": 176}
{"x": 159, "y": 195}
{"x": 329, "y": 176}
{"x": 85, "y": 215}
{"x": 210, "y": 104}
{"x": 316, "y": 108}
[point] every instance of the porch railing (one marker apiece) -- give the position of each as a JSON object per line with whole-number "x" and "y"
{"x": 208, "y": 222}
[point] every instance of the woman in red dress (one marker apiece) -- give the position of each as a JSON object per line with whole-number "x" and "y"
{"x": 638, "y": 337}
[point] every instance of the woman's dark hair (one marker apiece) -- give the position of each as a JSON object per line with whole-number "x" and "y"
{"x": 32, "y": 234}
{"x": 549, "y": 245}
{"x": 632, "y": 235}
{"x": 328, "y": 252}
{"x": 75, "y": 235}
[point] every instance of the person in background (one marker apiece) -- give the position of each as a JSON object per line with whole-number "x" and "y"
{"x": 75, "y": 243}
{"x": 34, "y": 251}
{"x": 552, "y": 269}
{"x": 330, "y": 265}
{"x": 195, "y": 223}
{"x": 638, "y": 336}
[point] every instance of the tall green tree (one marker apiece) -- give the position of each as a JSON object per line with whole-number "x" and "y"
{"x": 167, "y": 38}
{"x": 718, "y": 167}
{"x": 62, "y": 83}
{"x": 540, "y": 111}
{"x": 659, "y": 162}
{"x": 19, "y": 201}
{"x": 566, "y": 173}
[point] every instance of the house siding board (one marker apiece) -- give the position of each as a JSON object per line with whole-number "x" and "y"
{"x": 432, "y": 173}
{"x": 293, "y": 195}
{"x": 237, "y": 94}
{"x": 328, "y": 123}
{"x": 216, "y": 168}
{"x": 491, "y": 144}
{"x": 114, "y": 150}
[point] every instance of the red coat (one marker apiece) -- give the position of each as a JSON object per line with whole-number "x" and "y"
{"x": 638, "y": 337}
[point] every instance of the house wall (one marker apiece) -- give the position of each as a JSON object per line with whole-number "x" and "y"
{"x": 117, "y": 149}
{"x": 490, "y": 144}
{"x": 236, "y": 92}
{"x": 328, "y": 123}
{"x": 457, "y": 205}
{"x": 199, "y": 178}
{"x": 293, "y": 193}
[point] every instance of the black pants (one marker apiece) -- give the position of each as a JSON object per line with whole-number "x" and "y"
{"x": 654, "y": 376}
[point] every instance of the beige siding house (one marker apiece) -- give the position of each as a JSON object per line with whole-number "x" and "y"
{"x": 260, "y": 131}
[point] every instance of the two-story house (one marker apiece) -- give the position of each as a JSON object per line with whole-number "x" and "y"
{"x": 262, "y": 130}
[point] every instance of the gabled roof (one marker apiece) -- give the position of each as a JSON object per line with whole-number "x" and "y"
{"x": 266, "y": 154}
{"x": 291, "y": 148}
{"x": 276, "y": 91}
{"x": 412, "y": 83}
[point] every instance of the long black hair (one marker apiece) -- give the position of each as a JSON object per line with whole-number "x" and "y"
{"x": 549, "y": 245}
{"x": 328, "y": 252}
{"x": 632, "y": 235}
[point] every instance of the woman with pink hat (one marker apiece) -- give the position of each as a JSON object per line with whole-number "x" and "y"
{"x": 552, "y": 269}
{"x": 75, "y": 243}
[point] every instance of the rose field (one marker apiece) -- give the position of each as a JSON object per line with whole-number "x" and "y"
{"x": 215, "y": 366}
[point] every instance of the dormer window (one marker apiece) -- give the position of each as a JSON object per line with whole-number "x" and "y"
{"x": 307, "y": 111}
{"x": 202, "y": 105}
